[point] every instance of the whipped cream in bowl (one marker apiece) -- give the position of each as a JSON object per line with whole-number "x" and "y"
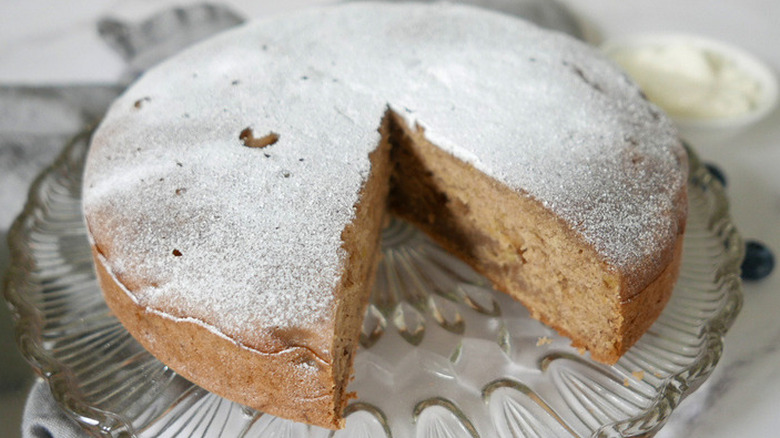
{"x": 711, "y": 89}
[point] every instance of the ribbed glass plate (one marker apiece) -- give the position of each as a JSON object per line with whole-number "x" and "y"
{"x": 442, "y": 354}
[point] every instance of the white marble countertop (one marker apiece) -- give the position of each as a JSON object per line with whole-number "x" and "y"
{"x": 50, "y": 42}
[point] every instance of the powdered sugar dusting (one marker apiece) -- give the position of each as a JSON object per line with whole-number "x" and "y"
{"x": 258, "y": 230}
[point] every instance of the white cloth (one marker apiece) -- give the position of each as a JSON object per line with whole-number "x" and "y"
{"x": 43, "y": 417}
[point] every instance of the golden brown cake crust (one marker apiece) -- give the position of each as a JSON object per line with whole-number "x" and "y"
{"x": 235, "y": 371}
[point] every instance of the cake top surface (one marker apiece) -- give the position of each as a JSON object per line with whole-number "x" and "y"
{"x": 174, "y": 197}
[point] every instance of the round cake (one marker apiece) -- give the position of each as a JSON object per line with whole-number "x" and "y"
{"x": 235, "y": 194}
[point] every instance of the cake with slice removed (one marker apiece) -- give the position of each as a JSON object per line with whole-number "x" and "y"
{"x": 234, "y": 195}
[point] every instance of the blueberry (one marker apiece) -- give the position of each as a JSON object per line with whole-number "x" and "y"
{"x": 717, "y": 173}
{"x": 759, "y": 261}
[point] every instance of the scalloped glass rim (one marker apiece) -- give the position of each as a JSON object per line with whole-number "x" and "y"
{"x": 21, "y": 286}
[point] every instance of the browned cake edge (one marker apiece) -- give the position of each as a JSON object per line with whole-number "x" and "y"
{"x": 264, "y": 381}
{"x": 362, "y": 241}
{"x": 637, "y": 314}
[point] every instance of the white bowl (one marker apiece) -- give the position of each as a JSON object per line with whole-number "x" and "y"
{"x": 703, "y": 130}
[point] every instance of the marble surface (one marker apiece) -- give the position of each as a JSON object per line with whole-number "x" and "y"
{"x": 52, "y": 43}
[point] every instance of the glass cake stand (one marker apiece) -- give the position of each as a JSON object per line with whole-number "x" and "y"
{"x": 442, "y": 354}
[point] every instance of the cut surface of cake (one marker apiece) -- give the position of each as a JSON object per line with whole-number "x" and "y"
{"x": 234, "y": 196}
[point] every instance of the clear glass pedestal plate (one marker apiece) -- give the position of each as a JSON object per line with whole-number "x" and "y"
{"x": 442, "y": 354}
